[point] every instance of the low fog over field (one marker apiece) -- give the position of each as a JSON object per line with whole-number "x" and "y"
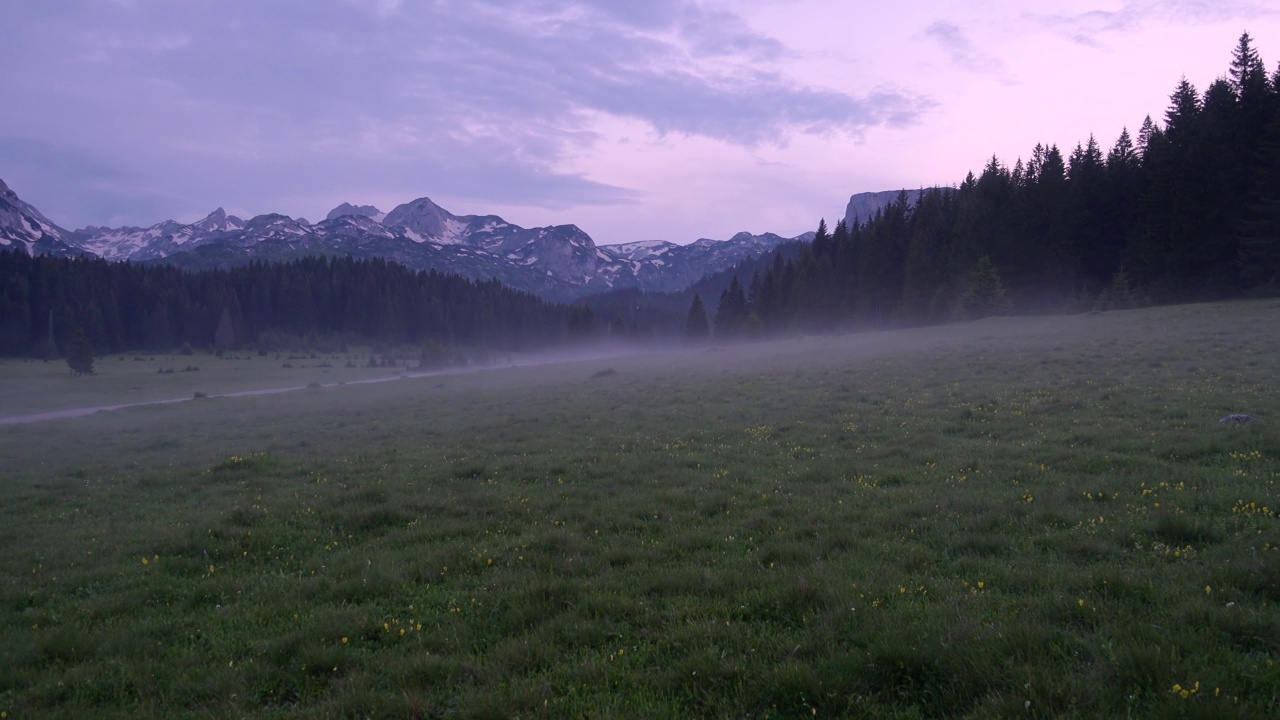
{"x": 1016, "y": 513}
{"x": 34, "y": 390}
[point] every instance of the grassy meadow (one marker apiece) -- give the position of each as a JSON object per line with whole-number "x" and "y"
{"x": 1016, "y": 517}
{"x": 29, "y": 387}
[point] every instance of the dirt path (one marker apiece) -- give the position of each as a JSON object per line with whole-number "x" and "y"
{"x": 81, "y": 412}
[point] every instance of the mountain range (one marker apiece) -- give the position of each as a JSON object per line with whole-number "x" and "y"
{"x": 560, "y": 262}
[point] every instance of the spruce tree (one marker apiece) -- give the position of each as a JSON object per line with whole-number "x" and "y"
{"x": 821, "y": 239}
{"x": 1248, "y": 73}
{"x": 731, "y": 313}
{"x": 582, "y": 322}
{"x": 696, "y": 327}
{"x": 225, "y": 337}
{"x": 1259, "y": 239}
{"x": 80, "y": 354}
{"x": 985, "y": 295}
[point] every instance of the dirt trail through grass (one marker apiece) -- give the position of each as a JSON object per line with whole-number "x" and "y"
{"x": 80, "y": 412}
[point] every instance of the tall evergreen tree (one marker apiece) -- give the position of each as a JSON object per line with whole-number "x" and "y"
{"x": 80, "y": 354}
{"x": 582, "y": 322}
{"x": 821, "y": 239}
{"x": 1148, "y": 134}
{"x": 731, "y": 313}
{"x": 1248, "y": 73}
{"x": 695, "y": 325}
{"x": 225, "y": 336}
{"x": 1259, "y": 237}
{"x": 985, "y": 295}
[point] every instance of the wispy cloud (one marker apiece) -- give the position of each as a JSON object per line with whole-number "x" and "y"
{"x": 955, "y": 42}
{"x": 1092, "y": 28}
{"x": 491, "y": 99}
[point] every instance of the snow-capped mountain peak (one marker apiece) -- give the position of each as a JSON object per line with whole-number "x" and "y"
{"x": 559, "y": 262}
{"x": 219, "y": 221}
{"x": 21, "y": 225}
{"x": 426, "y": 220}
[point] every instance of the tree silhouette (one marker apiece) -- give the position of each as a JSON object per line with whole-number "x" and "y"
{"x": 80, "y": 354}
{"x": 695, "y": 327}
{"x": 731, "y": 314}
{"x": 985, "y": 296}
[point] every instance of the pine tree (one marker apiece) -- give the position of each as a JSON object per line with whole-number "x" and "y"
{"x": 985, "y": 295}
{"x": 696, "y": 327}
{"x": 1259, "y": 241}
{"x": 1148, "y": 135}
{"x": 1184, "y": 108}
{"x": 80, "y": 354}
{"x": 433, "y": 356}
{"x": 821, "y": 239}
{"x": 1248, "y": 73}
{"x": 731, "y": 313}
{"x": 225, "y": 337}
{"x": 1123, "y": 153}
{"x": 582, "y": 322}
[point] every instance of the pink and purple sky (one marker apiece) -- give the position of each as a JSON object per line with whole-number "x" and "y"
{"x": 664, "y": 119}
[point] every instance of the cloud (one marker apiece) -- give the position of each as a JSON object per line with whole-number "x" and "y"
{"x": 1089, "y": 28}
{"x": 953, "y": 40}
{"x": 705, "y": 74}
{"x": 493, "y": 99}
{"x": 101, "y": 187}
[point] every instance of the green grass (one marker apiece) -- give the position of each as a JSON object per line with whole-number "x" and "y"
{"x": 1019, "y": 517}
{"x": 28, "y": 387}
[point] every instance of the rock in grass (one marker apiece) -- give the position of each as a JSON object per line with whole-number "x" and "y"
{"x": 1238, "y": 418}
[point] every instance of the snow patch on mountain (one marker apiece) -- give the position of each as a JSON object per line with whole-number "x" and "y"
{"x": 22, "y": 225}
{"x": 639, "y": 250}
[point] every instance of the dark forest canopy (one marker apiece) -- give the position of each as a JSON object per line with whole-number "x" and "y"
{"x": 1187, "y": 210}
{"x": 310, "y": 302}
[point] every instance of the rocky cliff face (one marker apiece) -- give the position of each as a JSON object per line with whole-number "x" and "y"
{"x": 26, "y": 228}
{"x": 862, "y": 206}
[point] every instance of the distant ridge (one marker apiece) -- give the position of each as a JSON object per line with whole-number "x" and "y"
{"x": 559, "y": 263}
{"x": 863, "y": 206}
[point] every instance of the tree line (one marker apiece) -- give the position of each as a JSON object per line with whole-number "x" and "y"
{"x": 312, "y": 302}
{"x": 1188, "y": 210}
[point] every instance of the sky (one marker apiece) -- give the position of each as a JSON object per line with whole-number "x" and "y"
{"x": 649, "y": 120}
